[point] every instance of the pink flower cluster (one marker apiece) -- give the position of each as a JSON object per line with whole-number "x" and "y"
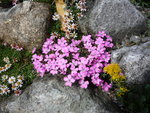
{"x": 81, "y": 60}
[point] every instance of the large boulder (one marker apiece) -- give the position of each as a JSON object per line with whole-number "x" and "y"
{"x": 49, "y": 95}
{"x": 135, "y": 61}
{"x": 118, "y": 17}
{"x": 25, "y": 24}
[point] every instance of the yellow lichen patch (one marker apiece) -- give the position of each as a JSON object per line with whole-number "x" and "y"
{"x": 60, "y": 6}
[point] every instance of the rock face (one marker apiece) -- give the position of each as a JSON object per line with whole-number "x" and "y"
{"x": 135, "y": 61}
{"x": 49, "y": 95}
{"x": 118, "y": 17}
{"x": 25, "y": 24}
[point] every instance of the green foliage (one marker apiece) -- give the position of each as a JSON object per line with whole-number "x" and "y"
{"x": 4, "y": 1}
{"x": 144, "y": 3}
{"x": 138, "y": 99}
{"x": 55, "y": 25}
{"x": 21, "y": 64}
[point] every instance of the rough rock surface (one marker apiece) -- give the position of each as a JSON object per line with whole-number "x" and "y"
{"x": 49, "y": 95}
{"x": 25, "y": 24}
{"x": 135, "y": 39}
{"x": 145, "y": 39}
{"x": 118, "y": 17}
{"x": 135, "y": 61}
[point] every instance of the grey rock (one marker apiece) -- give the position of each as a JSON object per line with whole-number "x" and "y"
{"x": 118, "y": 17}
{"x": 135, "y": 61}
{"x": 25, "y": 24}
{"x": 49, "y": 95}
{"x": 145, "y": 39}
{"x": 135, "y": 39}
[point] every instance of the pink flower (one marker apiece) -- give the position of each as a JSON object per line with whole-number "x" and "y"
{"x": 54, "y": 71}
{"x": 86, "y": 38}
{"x": 33, "y": 51}
{"x": 69, "y": 80}
{"x": 96, "y": 80}
{"x": 106, "y": 86}
{"x": 61, "y": 57}
{"x": 101, "y": 34}
{"x": 76, "y": 56}
{"x": 109, "y": 38}
{"x": 83, "y": 84}
{"x": 99, "y": 41}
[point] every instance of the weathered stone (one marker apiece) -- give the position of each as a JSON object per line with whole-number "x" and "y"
{"x": 135, "y": 39}
{"x": 135, "y": 61}
{"x": 49, "y": 95}
{"x": 118, "y": 17}
{"x": 145, "y": 39}
{"x": 25, "y": 24}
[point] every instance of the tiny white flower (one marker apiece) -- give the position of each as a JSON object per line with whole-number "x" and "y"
{"x": 56, "y": 16}
{"x": 4, "y": 43}
{"x": 19, "y": 48}
{"x": 6, "y": 59}
{"x": 79, "y": 15}
{"x": 19, "y": 83}
{"x": 11, "y": 80}
{"x": 71, "y": 19}
{"x": 55, "y": 34}
{"x": 67, "y": 34}
{"x": 4, "y": 89}
{"x": 78, "y": 5}
{"x": 83, "y": 2}
{"x": 17, "y": 92}
{"x": 20, "y": 78}
{"x": 74, "y": 34}
{"x": 65, "y": 22}
{"x": 83, "y": 8}
{"x": 14, "y": 87}
{"x": 67, "y": 28}
{"x": 4, "y": 77}
{"x": 73, "y": 26}
{"x": 7, "y": 66}
{"x": 66, "y": 15}
{"x": 3, "y": 86}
